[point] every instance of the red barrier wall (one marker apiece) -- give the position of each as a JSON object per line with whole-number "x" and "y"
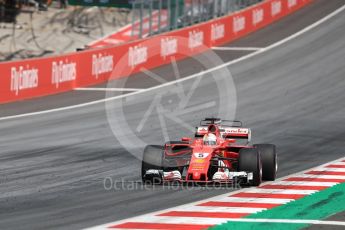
{"x": 45, "y": 76}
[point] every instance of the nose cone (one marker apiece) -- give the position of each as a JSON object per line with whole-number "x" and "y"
{"x": 196, "y": 176}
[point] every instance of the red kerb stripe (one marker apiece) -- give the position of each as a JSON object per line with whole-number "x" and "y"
{"x": 336, "y": 166}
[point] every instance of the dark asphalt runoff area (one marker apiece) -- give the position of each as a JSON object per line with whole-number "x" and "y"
{"x": 53, "y": 166}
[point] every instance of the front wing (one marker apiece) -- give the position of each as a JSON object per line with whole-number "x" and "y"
{"x": 160, "y": 176}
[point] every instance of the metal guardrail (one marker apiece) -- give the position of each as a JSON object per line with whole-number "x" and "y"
{"x": 180, "y": 13}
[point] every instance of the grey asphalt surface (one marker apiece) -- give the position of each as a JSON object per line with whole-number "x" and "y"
{"x": 53, "y": 165}
{"x": 336, "y": 217}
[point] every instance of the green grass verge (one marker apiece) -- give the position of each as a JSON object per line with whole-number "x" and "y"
{"x": 317, "y": 206}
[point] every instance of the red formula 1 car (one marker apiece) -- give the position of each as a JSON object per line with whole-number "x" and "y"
{"x": 220, "y": 153}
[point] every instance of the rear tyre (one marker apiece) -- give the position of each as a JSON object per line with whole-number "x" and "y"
{"x": 152, "y": 159}
{"x": 249, "y": 161}
{"x": 269, "y": 161}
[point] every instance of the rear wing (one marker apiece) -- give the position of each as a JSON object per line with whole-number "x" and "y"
{"x": 227, "y": 123}
{"x": 227, "y": 132}
{"x": 236, "y": 133}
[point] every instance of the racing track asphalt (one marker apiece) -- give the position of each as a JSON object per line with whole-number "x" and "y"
{"x": 53, "y": 165}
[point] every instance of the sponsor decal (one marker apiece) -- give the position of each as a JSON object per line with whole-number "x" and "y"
{"x": 292, "y": 3}
{"x": 239, "y": 23}
{"x": 23, "y": 78}
{"x": 217, "y": 31}
{"x": 102, "y": 64}
{"x": 63, "y": 72}
{"x": 137, "y": 55}
{"x": 196, "y": 39}
{"x": 200, "y": 161}
{"x": 258, "y": 16}
{"x": 197, "y": 167}
{"x": 237, "y": 131}
{"x": 201, "y": 155}
{"x": 276, "y": 8}
{"x": 168, "y": 47}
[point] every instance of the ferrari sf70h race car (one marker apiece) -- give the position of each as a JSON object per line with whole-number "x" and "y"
{"x": 220, "y": 152}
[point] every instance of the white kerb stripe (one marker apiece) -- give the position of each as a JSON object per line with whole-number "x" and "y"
{"x": 339, "y": 163}
{"x": 179, "y": 220}
{"x": 329, "y": 169}
{"x": 281, "y": 191}
{"x": 219, "y": 209}
{"x": 254, "y": 200}
{"x": 320, "y": 176}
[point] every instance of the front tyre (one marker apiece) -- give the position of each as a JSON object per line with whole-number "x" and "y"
{"x": 269, "y": 161}
{"x": 152, "y": 159}
{"x": 249, "y": 161}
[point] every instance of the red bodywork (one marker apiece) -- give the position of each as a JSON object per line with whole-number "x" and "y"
{"x": 200, "y": 161}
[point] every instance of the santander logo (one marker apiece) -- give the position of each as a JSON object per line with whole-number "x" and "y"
{"x": 63, "y": 72}
{"x": 258, "y": 16}
{"x": 276, "y": 8}
{"x": 168, "y": 47}
{"x": 102, "y": 64}
{"x": 239, "y": 23}
{"x": 137, "y": 55}
{"x": 217, "y": 31}
{"x": 23, "y": 78}
{"x": 292, "y": 3}
{"x": 196, "y": 39}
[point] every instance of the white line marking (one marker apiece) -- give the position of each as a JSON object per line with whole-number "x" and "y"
{"x": 201, "y": 74}
{"x": 237, "y": 48}
{"x": 290, "y": 221}
{"x": 108, "y": 89}
{"x": 221, "y": 198}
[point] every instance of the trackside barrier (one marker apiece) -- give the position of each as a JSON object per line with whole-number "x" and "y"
{"x": 46, "y": 76}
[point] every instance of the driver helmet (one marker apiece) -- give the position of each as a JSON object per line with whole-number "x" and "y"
{"x": 210, "y": 139}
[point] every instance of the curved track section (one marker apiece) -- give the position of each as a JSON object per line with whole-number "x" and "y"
{"x": 53, "y": 165}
